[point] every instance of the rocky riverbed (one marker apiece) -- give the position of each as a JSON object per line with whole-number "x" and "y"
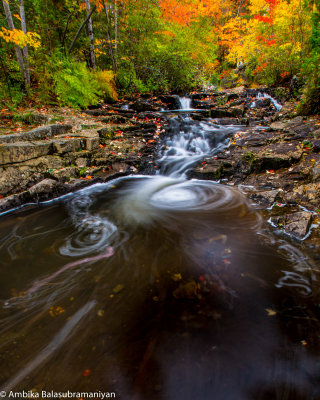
{"x": 274, "y": 158}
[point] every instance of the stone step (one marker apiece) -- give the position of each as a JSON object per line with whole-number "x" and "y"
{"x": 22, "y": 151}
{"x": 11, "y": 153}
{"x": 40, "y": 133}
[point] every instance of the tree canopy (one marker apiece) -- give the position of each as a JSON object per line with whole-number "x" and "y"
{"x": 153, "y": 45}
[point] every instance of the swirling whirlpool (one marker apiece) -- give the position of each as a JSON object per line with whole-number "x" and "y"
{"x": 158, "y": 287}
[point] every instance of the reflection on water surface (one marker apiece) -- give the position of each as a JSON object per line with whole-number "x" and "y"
{"x": 156, "y": 288}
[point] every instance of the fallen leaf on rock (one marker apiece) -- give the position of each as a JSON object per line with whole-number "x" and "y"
{"x": 187, "y": 290}
{"x": 271, "y": 312}
{"x": 86, "y": 373}
{"x": 118, "y": 289}
{"x": 176, "y": 277}
{"x": 56, "y": 311}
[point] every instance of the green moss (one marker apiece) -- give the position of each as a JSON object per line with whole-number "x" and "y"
{"x": 26, "y": 118}
{"x": 58, "y": 118}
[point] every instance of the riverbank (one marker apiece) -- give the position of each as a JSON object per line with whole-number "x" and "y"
{"x": 274, "y": 157}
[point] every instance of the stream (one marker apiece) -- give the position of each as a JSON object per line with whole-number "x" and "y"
{"x": 158, "y": 288}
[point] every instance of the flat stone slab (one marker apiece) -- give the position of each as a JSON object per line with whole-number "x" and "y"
{"x": 67, "y": 145}
{"x": 41, "y": 133}
{"x": 277, "y": 155}
{"x": 22, "y": 151}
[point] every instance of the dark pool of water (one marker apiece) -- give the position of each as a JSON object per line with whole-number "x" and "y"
{"x": 156, "y": 288}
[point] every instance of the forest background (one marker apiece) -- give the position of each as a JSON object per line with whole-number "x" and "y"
{"x": 75, "y": 52}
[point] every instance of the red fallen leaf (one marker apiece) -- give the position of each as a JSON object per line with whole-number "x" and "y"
{"x": 86, "y": 373}
{"x": 202, "y": 278}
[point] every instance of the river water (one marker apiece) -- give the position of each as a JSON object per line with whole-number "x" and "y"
{"x": 158, "y": 287}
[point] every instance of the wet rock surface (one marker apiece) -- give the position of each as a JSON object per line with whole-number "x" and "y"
{"x": 53, "y": 159}
{"x": 275, "y": 158}
{"x": 296, "y": 224}
{"x": 274, "y": 154}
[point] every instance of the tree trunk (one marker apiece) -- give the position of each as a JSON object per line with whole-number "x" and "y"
{"x": 80, "y": 28}
{"x": 114, "y": 61}
{"x": 116, "y": 29}
{"x": 66, "y": 30}
{"x": 17, "y": 49}
{"x": 25, "y": 48}
{"x": 92, "y": 54}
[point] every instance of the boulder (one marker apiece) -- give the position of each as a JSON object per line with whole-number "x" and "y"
{"x": 115, "y": 119}
{"x": 172, "y": 101}
{"x": 261, "y": 103}
{"x": 315, "y": 173}
{"x": 296, "y": 224}
{"x": 267, "y": 197}
{"x": 141, "y": 106}
{"x": 221, "y": 113}
{"x": 316, "y": 145}
{"x": 46, "y": 188}
{"x": 304, "y": 194}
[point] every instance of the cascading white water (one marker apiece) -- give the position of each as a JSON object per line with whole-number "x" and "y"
{"x": 260, "y": 95}
{"x": 185, "y": 103}
{"x": 189, "y": 142}
{"x": 142, "y": 202}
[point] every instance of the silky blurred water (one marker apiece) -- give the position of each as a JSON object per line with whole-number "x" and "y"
{"x": 157, "y": 287}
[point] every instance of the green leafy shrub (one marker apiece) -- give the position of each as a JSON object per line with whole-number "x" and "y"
{"x": 106, "y": 84}
{"x": 310, "y": 102}
{"x": 77, "y": 86}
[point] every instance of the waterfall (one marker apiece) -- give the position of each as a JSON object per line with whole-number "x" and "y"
{"x": 185, "y": 103}
{"x": 190, "y": 141}
{"x": 260, "y": 95}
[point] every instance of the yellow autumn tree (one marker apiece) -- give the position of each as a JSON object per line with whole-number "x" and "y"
{"x": 271, "y": 41}
{"x": 19, "y": 38}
